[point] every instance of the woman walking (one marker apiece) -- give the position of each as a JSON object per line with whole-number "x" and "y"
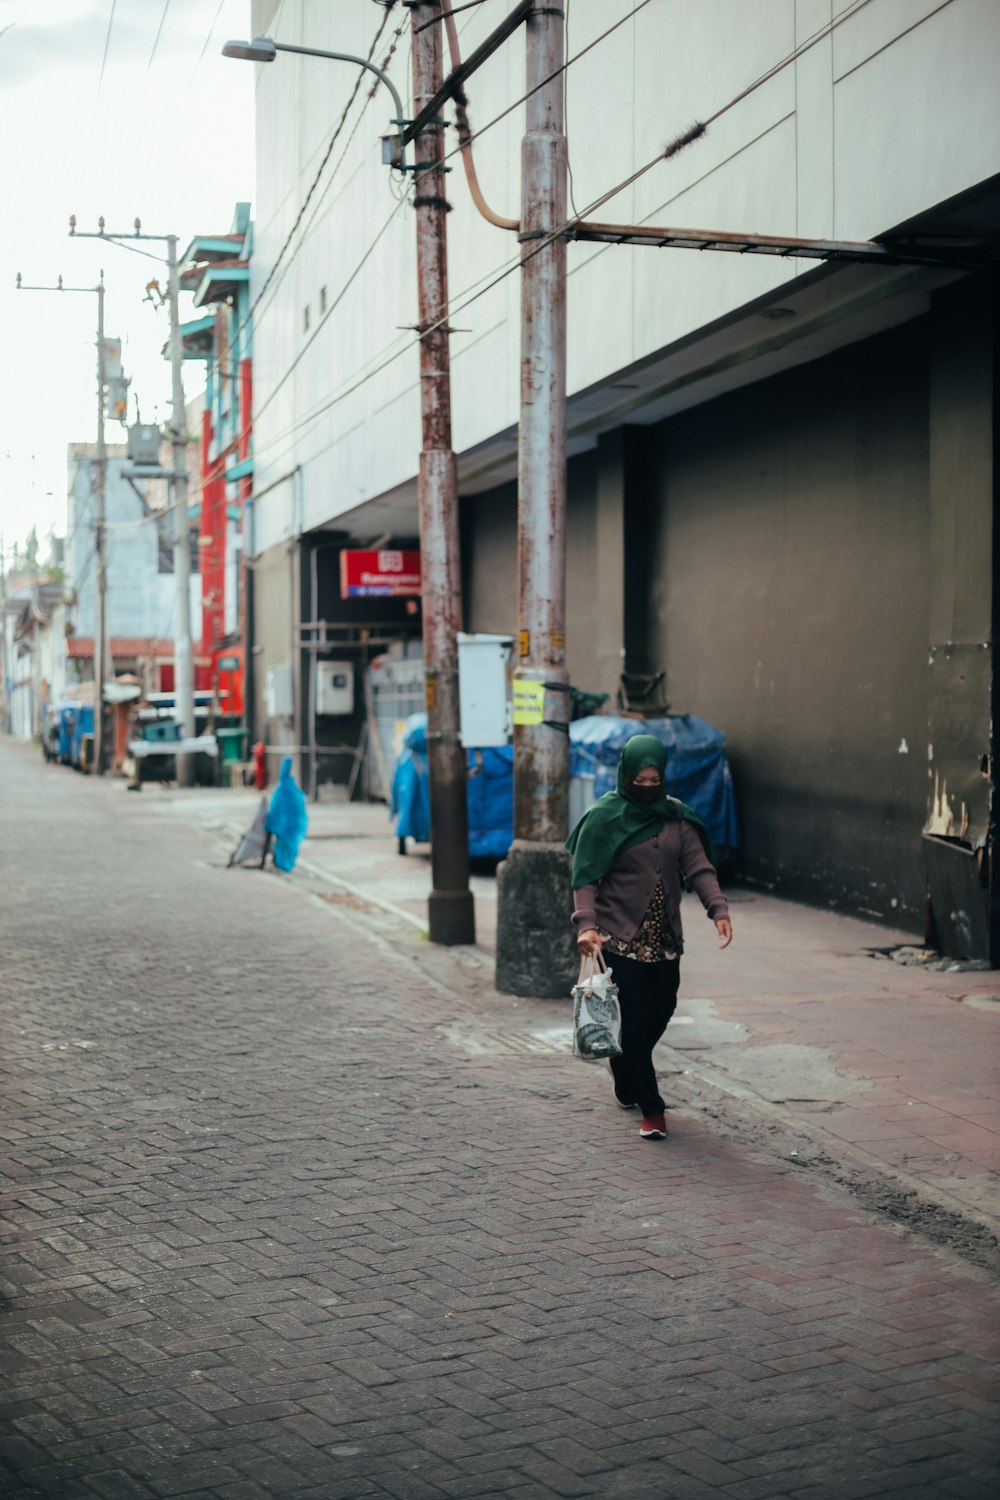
{"x": 631, "y": 850}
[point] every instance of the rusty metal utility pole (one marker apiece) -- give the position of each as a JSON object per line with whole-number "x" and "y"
{"x": 534, "y": 938}
{"x": 451, "y": 915}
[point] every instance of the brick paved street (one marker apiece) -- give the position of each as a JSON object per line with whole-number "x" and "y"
{"x": 283, "y": 1216}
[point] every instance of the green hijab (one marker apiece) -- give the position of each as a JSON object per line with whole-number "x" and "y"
{"x": 616, "y": 822}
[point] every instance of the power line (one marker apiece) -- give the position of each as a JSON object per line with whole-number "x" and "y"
{"x": 333, "y": 306}
{"x": 554, "y": 74}
{"x": 201, "y": 54}
{"x": 340, "y": 160}
{"x": 107, "y": 43}
{"x": 456, "y": 307}
{"x": 214, "y": 365}
{"x": 312, "y": 187}
{"x": 793, "y": 56}
{"x": 405, "y": 343}
{"x": 159, "y": 33}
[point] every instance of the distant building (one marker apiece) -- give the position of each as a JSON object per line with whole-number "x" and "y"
{"x": 32, "y": 651}
{"x": 140, "y": 585}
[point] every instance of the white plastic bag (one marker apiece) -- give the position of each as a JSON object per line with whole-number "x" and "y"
{"x": 597, "y": 1018}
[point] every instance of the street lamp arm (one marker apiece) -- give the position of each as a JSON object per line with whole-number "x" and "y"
{"x": 361, "y": 62}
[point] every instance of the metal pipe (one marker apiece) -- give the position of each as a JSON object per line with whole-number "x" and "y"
{"x": 362, "y": 62}
{"x": 541, "y": 751}
{"x": 451, "y": 915}
{"x": 465, "y": 135}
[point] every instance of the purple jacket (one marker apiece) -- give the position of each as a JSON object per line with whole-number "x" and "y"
{"x": 617, "y": 903}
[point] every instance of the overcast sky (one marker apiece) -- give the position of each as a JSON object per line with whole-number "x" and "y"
{"x": 167, "y": 136}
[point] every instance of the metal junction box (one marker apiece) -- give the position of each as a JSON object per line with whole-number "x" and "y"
{"x": 484, "y": 689}
{"x": 334, "y": 688}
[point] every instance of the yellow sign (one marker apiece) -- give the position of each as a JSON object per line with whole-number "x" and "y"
{"x": 529, "y": 702}
{"x": 431, "y": 690}
{"x": 523, "y": 643}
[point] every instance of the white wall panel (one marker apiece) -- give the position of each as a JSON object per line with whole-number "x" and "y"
{"x": 918, "y": 120}
{"x": 912, "y": 119}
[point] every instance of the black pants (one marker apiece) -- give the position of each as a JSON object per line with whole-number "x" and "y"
{"x": 647, "y": 994}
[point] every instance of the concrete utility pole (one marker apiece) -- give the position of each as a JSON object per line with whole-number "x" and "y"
{"x": 451, "y": 915}
{"x": 183, "y": 656}
{"x": 100, "y": 553}
{"x": 535, "y": 947}
{"x": 101, "y": 653}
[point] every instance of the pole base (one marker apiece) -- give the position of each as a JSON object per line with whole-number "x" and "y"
{"x": 451, "y": 918}
{"x": 536, "y": 941}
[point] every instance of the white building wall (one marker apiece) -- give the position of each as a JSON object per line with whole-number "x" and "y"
{"x": 892, "y": 112}
{"x": 51, "y": 652}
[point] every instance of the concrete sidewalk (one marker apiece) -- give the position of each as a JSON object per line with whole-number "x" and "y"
{"x": 894, "y": 1070}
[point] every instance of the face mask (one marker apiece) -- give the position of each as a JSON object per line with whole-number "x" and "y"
{"x": 645, "y": 795}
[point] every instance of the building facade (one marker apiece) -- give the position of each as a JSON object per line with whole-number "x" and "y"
{"x": 781, "y": 479}
{"x": 141, "y": 597}
{"x": 216, "y": 269}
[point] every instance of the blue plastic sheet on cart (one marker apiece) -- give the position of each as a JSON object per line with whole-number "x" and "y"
{"x": 697, "y": 772}
{"x": 697, "y": 769}
{"x": 490, "y": 795}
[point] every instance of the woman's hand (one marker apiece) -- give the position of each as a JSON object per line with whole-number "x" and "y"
{"x": 725, "y": 930}
{"x": 589, "y": 942}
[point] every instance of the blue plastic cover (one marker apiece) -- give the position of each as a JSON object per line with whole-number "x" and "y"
{"x": 490, "y": 794}
{"x": 697, "y": 769}
{"x": 410, "y": 803}
{"x": 287, "y": 819}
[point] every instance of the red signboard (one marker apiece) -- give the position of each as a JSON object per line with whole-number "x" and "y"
{"x": 379, "y": 575}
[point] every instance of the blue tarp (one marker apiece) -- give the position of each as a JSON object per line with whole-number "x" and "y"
{"x": 287, "y": 818}
{"x": 697, "y": 772}
{"x": 490, "y": 801}
{"x": 697, "y": 769}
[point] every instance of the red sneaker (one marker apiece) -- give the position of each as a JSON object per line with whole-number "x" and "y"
{"x": 653, "y": 1128}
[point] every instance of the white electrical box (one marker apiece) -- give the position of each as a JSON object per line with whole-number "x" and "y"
{"x": 334, "y": 687}
{"x": 484, "y": 689}
{"x": 279, "y": 692}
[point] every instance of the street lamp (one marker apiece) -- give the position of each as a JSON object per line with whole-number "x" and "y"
{"x": 451, "y": 914}
{"x": 263, "y": 49}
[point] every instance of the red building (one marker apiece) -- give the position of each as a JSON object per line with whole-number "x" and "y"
{"x": 216, "y": 270}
